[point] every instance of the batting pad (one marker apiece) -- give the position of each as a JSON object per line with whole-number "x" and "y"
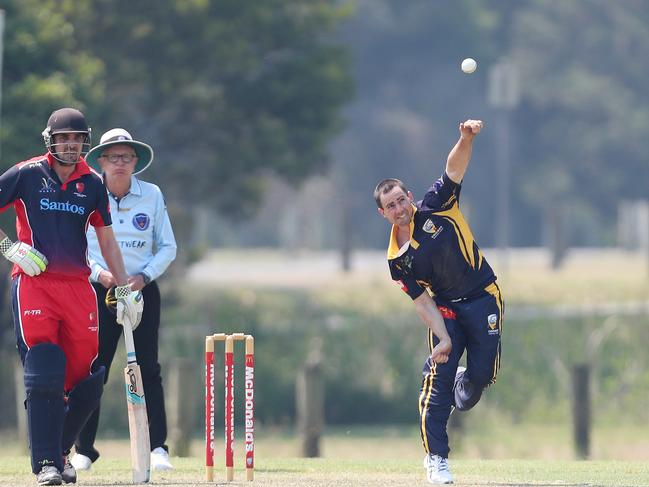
{"x": 83, "y": 399}
{"x": 44, "y": 380}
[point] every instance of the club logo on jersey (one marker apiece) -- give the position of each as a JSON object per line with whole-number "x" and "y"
{"x": 492, "y": 321}
{"x": 47, "y": 186}
{"x": 429, "y": 226}
{"x": 141, "y": 221}
{"x": 79, "y": 192}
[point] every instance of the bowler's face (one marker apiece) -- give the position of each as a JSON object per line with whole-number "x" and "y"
{"x": 397, "y": 206}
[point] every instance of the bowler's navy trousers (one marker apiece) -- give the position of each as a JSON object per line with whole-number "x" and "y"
{"x": 474, "y": 325}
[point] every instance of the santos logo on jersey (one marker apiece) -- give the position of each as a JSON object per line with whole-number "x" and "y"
{"x": 47, "y": 205}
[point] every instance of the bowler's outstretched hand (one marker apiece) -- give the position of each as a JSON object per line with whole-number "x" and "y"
{"x": 470, "y": 128}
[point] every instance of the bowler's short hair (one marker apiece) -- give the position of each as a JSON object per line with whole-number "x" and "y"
{"x": 386, "y": 186}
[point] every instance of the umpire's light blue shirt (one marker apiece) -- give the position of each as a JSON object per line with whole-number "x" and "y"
{"x": 142, "y": 230}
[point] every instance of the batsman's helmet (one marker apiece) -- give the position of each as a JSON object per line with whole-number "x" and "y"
{"x": 66, "y": 120}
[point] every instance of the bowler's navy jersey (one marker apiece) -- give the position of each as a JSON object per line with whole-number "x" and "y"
{"x": 53, "y": 217}
{"x": 442, "y": 255}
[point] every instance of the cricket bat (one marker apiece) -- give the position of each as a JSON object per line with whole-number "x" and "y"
{"x": 138, "y": 423}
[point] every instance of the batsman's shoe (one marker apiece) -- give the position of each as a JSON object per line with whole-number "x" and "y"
{"x": 69, "y": 474}
{"x": 160, "y": 459}
{"x": 49, "y": 475}
{"x": 81, "y": 462}
{"x": 437, "y": 471}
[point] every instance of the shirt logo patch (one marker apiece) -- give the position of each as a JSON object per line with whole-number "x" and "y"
{"x": 141, "y": 221}
{"x": 47, "y": 186}
{"x": 79, "y": 192}
{"x": 429, "y": 226}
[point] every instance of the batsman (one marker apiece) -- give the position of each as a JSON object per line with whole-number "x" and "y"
{"x": 56, "y": 196}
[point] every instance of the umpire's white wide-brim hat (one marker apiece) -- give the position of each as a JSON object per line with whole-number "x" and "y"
{"x": 120, "y": 136}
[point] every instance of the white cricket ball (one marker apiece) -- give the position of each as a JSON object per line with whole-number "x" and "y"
{"x": 469, "y": 65}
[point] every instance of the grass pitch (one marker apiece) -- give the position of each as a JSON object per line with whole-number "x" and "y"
{"x": 342, "y": 472}
{"x": 509, "y": 454}
{"x": 367, "y": 457}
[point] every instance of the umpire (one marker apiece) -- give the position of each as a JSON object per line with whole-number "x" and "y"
{"x": 143, "y": 230}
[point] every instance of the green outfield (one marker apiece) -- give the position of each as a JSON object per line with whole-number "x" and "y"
{"x": 342, "y": 472}
{"x": 467, "y": 473}
{"x": 390, "y": 456}
{"x": 519, "y": 435}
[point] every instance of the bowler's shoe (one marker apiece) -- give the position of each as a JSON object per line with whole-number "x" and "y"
{"x": 437, "y": 471}
{"x": 49, "y": 475}
{"x": 69, "y": 474}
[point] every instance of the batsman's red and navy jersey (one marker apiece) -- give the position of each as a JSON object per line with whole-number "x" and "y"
{"x": 442, "y": 255}
{"x": 52, "y": 216}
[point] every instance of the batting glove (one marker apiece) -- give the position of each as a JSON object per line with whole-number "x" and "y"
{"x": 30, "y": 260}
{"x": 129, "y": 305}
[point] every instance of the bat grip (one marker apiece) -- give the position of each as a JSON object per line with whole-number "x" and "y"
{"x": 128, "y": 341}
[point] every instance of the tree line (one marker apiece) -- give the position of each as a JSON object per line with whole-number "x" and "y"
{"x": 229, "y": 92}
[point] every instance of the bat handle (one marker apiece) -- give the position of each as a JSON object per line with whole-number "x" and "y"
{"x": 128, "y": 341}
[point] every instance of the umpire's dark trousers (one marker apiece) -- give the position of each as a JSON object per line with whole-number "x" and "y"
{"x": 146, "y": 348}
{"x": 474, "y": 325}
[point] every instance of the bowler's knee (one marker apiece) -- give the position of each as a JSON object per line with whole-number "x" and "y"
{"x": 482, "y": 380}
{"x": 468, "y": 390}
